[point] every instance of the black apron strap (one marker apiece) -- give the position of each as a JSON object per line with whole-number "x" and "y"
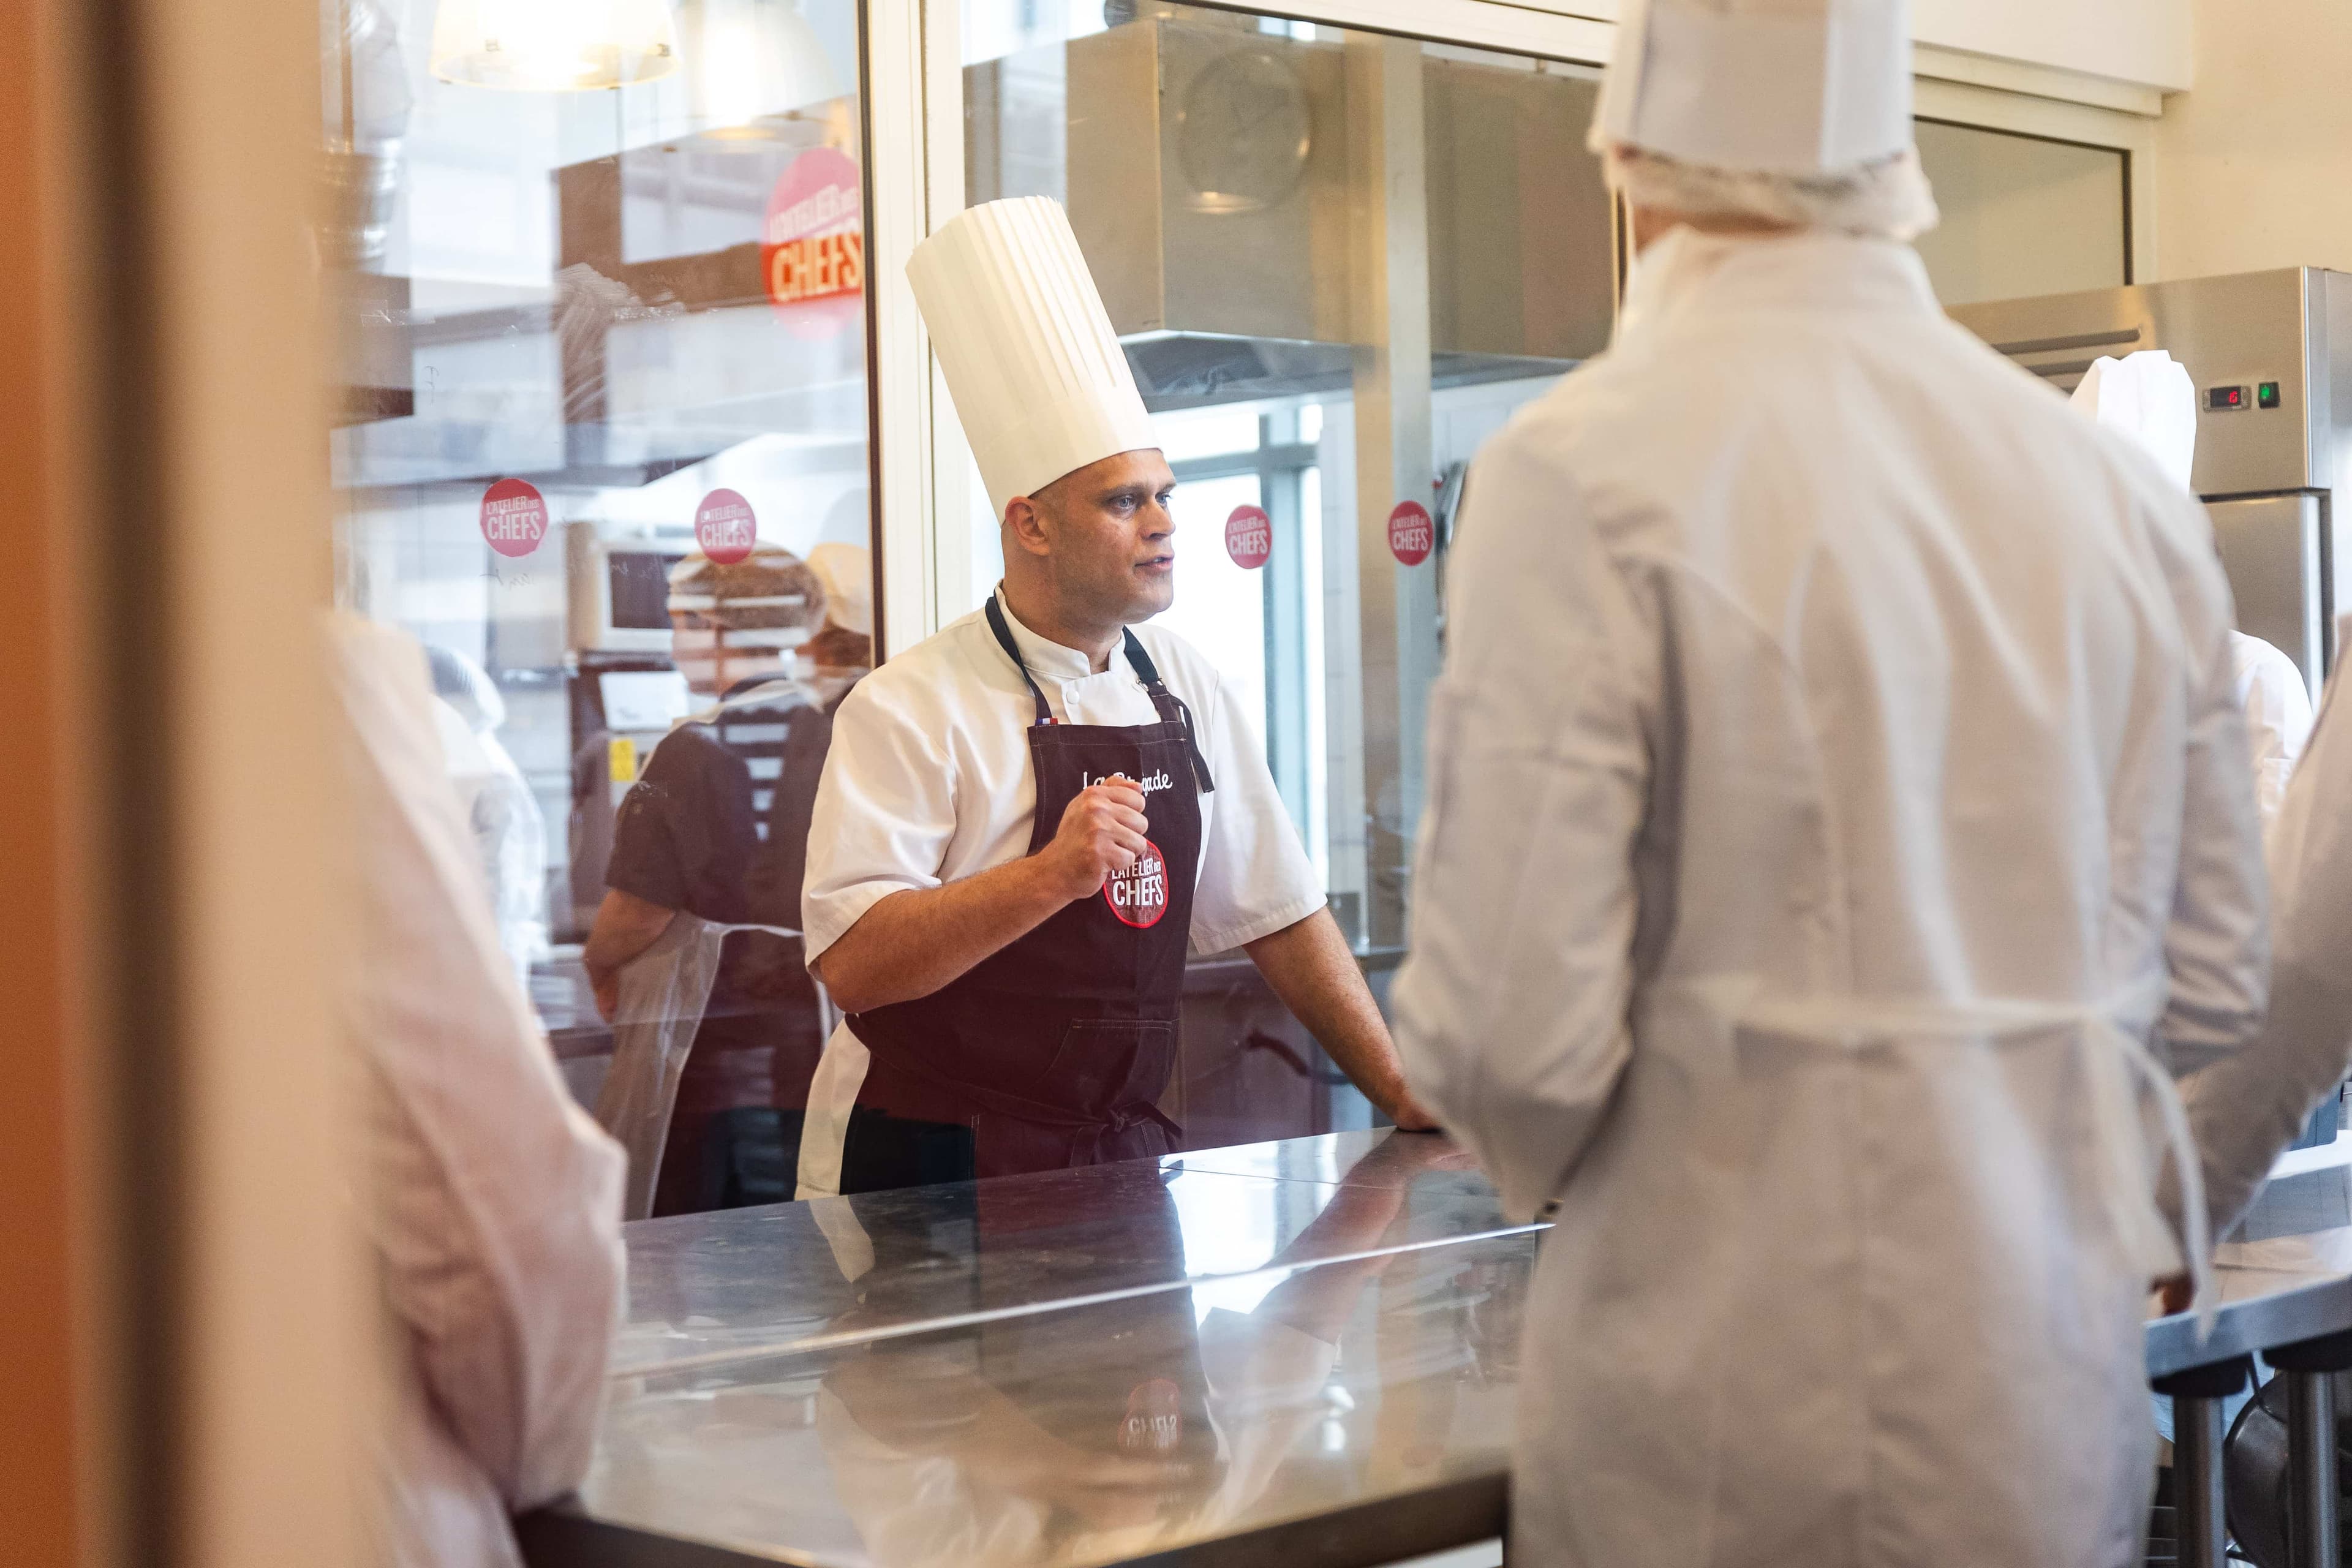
{"x": 1012, "y": 651}
{"x": 1150, "y": 674}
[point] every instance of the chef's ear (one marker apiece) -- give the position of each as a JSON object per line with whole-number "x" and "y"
{"x": 1027, "y": 527}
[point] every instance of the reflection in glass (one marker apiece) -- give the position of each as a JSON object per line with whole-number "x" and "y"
{"x": 603, "y": 414}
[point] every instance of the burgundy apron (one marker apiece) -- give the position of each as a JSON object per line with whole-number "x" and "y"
{"x": 1055, "y": 1049}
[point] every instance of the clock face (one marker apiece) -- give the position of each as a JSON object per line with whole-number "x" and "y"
{"x": 1244, "y": 132}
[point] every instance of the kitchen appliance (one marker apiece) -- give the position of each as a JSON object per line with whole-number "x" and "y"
{"x": 1231, "y": 167}
{"x": 617, "y": 585}
{"x": 2271, "y": 356}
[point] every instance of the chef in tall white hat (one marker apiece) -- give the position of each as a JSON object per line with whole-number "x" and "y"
{"x": 1028, "y": 821}
{"x": 1817, "y": 934}
{"x": 2148, "y": 398}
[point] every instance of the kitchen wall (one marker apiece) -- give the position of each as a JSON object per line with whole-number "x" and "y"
{"x": 2254, "y": 164}
{"x": 2144, "y": 42}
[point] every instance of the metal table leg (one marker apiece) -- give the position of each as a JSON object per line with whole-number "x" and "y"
{"x": 2197, "y": 1396}
{"x": 2311, "y": 1461}
{"x": 2197, "y": 1480}
{"x": 2309, "y": 1367}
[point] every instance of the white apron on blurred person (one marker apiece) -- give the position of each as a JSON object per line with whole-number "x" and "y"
{"x": 664, "y": 993}
{"x": 1838, "y": 825}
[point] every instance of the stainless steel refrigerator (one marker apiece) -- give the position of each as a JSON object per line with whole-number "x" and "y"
{"x": 2271, "y": 356}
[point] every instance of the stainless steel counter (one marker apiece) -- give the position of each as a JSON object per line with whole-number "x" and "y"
{"x": 1301, "y": 1353}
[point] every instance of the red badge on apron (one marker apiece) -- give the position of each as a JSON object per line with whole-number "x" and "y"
{"x": 1411, "y": 534}
{"x": 1138, "y": 895}
{"x": 1249, "y": 537}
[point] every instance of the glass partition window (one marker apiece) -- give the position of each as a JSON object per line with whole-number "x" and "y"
{"x": 2022, "y": 215}
{"x": 1338, "y": 261}
{"x": 600, "y": 318}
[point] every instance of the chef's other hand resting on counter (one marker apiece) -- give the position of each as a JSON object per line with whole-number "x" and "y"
{"x": 1028, "y": 821}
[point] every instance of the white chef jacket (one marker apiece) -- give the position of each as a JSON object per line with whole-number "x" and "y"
{"x": 1834, "y": 776}
{"x": 2277, "y": 705}
{"x": 929, "y": 781}
{"x": 494, "y": 1203}
{"x": 2247, "y": 1108}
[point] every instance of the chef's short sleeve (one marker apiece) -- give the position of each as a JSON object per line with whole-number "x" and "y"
{"x": 684, "y": 834}
{"x": 885, "y": 811}
{"x": 1255, "y": 879}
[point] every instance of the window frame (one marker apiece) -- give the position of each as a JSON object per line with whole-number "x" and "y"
{"x": 914, "y": 97}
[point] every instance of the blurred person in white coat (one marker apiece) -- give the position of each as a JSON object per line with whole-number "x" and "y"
{"x": 2247, "y": 1109}
{"x": 494, "y": 1203}
{"x": 2148, "y": 396}
{"x": 1838, "y": 826}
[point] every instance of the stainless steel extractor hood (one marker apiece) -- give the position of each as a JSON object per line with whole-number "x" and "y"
{"x": 1207, "y": 179}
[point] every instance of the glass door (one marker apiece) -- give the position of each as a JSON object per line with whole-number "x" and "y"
{"x": 1339, "y": 260}
{"x": 597, "y": 281}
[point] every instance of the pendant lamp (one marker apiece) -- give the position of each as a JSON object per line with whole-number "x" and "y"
{"x": 747, "y": 64}
{"x": 553, "y": 46}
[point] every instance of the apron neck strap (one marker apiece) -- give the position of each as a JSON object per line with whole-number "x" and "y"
{"x": 1145, "y": 671}
{"x": 1140, "y": 662}
{"x": 1012, "y": 651}
{"x": 1162, "y": 698}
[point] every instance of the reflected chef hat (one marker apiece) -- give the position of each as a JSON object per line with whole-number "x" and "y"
{"x": 1793, "y": 111}
{"x": 1036, "y": 372}
{"x": 847, "y": 572}
{"x": 2148, "y": 397}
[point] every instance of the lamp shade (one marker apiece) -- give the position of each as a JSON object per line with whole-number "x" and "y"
{"x": 746, "y": 62}
{"x": 553, "y": 46}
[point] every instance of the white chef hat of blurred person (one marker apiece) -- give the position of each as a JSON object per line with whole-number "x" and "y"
{"x": 2148, "y": 398}
{"x": 466, "y": 688}
{"x": 1790, "y": 112}
{"x": 847, "y": 572}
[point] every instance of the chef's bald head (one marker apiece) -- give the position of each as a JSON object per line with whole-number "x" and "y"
{"x": 1100, "y": 540}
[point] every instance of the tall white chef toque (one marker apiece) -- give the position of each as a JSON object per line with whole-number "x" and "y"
{"x": 1797, "y": 111}
{"x": 847, "y": 572}
{"x": 1037, "y": 376}
{"x": 2148, "y": 397}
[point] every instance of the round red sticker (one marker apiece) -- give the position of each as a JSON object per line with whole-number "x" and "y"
{"x": 725, "y": 528}
{"x": 1155, "y": 1418}
{"x": 514, "y": 517}
{"x": 1249, "y": 537}
{"x": 812, "y": 250}
{"x": 1411, "y": 536}
{"x": 1138, "y": 895}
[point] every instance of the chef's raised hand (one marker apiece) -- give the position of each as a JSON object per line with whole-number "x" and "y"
{"x": 1101, "y": 834}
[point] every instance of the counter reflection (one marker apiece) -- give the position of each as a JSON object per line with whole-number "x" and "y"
{"x": 1354, "y": 1365}
{"x": 709, "y": 1290}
